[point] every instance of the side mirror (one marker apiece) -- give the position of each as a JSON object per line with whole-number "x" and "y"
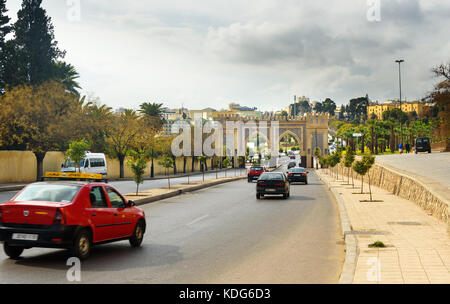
{"x": 131, "y": 204}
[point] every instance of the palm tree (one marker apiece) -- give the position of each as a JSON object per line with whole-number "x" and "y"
{"x": 151, "y": 109}
{"x": 152, "y": 113}
{"x": 68, "y": 75}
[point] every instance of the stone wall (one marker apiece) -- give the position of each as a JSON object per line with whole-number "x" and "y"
{"x": 408, "y": 188}
{"x": 20, "y": 166}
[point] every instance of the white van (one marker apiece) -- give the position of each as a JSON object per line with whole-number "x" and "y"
{"x": 93, "y": 163}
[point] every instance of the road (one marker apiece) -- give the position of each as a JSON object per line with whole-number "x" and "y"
{"x": 217, "y": 235}
{"x": 435, "y": 166}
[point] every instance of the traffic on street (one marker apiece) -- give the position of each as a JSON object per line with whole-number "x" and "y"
{"x": 219, "y": 234}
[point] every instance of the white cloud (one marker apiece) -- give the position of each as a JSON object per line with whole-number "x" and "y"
{"x": 259, "y": 53}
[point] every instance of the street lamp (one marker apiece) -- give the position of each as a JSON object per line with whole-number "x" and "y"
{"x": 400, "y": 100}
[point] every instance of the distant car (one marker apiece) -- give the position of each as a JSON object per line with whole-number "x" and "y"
{"x": 273, "y": 183}
{"x": 423, "y": 145}
{"x": 71, "y": 215}
{"x": 292, "y": 165}
{"x": 296, "y": 175}
{"x": 92, "y": 163}
{"x": 254, "y": 173}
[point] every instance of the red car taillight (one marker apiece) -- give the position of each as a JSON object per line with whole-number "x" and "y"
{"x": 1, "y": 214}
{"x": 278, "y": 185}
{"x": 262, "y": 184}
{"x": 290, "y": 174}
{"x": 304, "y": 174}
{"x": 59, "y": 217}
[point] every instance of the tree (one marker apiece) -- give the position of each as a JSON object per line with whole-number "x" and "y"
{"x": 5, "y": 29}
{"x": 68, "y": 75}
{"x": 357, "y": 109}
{"x": 348, "y": 162}
{"x": 167, "y": 163}
{"x": 122, "y": 136}
{"x": 362, "y": 167}
{"x": 226, "y": 163}
{"x": 137, "y": 162}
{"x": 202, "y": 160}
{"x": 334, "y": 159}
{"x": 77, "y": 152}
{"x": 329, "y": 106}
{"x": 41, "y": 118}
{"x": 34, "y": 48}
{"x": 152, "y": 113}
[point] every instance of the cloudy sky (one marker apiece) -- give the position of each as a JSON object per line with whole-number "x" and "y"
{"x": 208, "y": 53}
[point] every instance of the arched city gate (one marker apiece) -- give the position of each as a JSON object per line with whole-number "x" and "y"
{"x": 310, "y": 131}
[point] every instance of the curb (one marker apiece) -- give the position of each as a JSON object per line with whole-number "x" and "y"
{"x": 12, "y": 188}
{"x": 173, "y": 193}
{"x": 351, "y": 243}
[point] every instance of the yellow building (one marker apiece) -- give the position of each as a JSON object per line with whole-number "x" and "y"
{"x": 379, "y": 109}
{"x": 417, "y": 107}
{"x": 407, "y": 107}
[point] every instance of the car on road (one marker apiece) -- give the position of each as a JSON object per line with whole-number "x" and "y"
{"x": 71, "y": 215}
{"x": 272, "y": 183}
{"x": 254, "y": 173}
{"x": 92, "y": 163}
{"x": 423, "y": 145}
{"x": 292, "y": 164}
{"x": 298, "y": 175}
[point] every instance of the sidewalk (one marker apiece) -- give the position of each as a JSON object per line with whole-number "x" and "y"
{"x": 418, "y": 245}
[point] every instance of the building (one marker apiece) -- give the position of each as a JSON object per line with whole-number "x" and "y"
{"x": 407, "y": 107}
{"x": 206, "y": 114}
{"x": 379, "y": 109}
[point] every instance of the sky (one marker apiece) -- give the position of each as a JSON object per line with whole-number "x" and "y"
{"x": 209, "y": 53}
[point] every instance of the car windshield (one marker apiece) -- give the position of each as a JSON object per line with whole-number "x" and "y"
{"x": 256, "y": 168}
{"x": 48, "y": 193}
{"x": 298, "y": 170}
{"x": 272, "y": 176}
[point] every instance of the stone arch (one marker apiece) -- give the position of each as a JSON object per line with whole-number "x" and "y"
{"x": 297, "y": 138}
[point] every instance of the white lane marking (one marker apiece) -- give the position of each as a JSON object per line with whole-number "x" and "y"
{"x": 197, "y": 220}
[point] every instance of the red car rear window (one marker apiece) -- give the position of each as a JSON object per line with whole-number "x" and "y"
{"x": 256, "y": 168}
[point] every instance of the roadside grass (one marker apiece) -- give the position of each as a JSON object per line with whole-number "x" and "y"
{"x": 377, "y": 244}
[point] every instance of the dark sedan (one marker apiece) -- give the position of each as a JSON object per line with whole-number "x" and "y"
{"x": 298, "y": 175}
{"x": 292, "y": 165}
{"x": 272, "y": 184}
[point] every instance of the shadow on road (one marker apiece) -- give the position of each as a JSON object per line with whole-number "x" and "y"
{"x": 111, "y": 257}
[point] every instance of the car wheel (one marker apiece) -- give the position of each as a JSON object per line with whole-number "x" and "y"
{"x": 249, "y": 179}
{"x": 12, "y": 251}
{"x": 258, "y": 196}
{"x": 429, "y": 151}
{"x": 306, "y": 182}
{"x": 138, "y": 235}
{"x": 82, "y": 245}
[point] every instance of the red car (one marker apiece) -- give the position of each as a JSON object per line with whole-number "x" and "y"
{"x": 254, "y": 173}
{"x": 72, "y": 215}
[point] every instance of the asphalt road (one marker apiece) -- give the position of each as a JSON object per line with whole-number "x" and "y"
{"x": 217, "y": 235}
{"x": 435, "y": 166}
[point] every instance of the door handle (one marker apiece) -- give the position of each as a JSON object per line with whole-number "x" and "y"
{"x": 94, "y": 214}
{"x": 115, "y": 214}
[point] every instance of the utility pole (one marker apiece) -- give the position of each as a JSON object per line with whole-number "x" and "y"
{"x": 400, "y": 100}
